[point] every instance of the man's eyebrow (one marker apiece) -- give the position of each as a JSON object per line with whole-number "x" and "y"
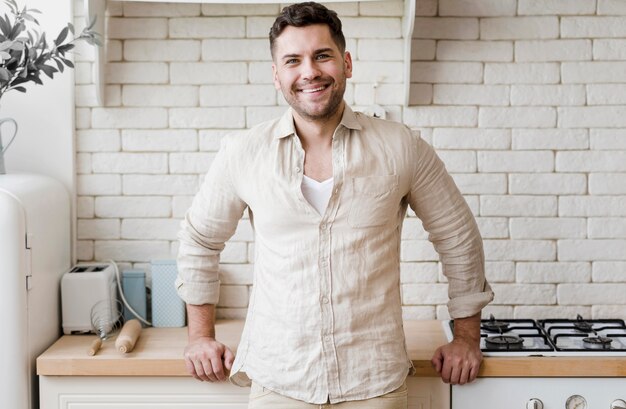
{"x": 286, "y": 56}
{"x": 324, "y": 50}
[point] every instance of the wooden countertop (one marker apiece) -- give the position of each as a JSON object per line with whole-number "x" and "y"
{"x": 158, "y": 352}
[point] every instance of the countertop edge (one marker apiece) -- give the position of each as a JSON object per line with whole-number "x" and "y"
{"x": 159, "y": 353}
{"x": 491, "y": 367}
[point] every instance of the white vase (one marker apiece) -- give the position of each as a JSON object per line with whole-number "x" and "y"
{"x": 10, "y": 140}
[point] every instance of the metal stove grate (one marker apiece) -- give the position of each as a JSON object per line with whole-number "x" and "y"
{"x": 569, "y": 335}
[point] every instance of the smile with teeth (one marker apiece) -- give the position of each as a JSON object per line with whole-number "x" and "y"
{"x": 312, "y": 90}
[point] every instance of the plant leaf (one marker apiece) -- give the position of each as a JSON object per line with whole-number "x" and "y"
{"x": 67, "y": 62}
{"x": 17, "y": 45}
{"x": 19, "y": 80}
{"x": 62, "y": 36}
{"x": 59, "y": 64}
{"x": 48, "y": 70}
{"x": 20, "y": 89}
{"x": 13, "y": 6}
{"x": 65, "y": 48}
{"x": 5, "y": 25}
{"x": 28, "y": 17}
{"x": 5, "y": 75}
{"x": 92, "y": 23}
{"x": 17, "y": 29}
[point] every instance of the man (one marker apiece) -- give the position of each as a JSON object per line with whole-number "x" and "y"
{"x": 327, "y": 190}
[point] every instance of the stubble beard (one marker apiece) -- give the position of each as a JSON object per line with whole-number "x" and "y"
{"x": 331, "y": 108}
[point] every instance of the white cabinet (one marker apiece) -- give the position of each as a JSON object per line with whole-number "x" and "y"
{"x": 138, "y": 392}
{"x": 142, "y": 392}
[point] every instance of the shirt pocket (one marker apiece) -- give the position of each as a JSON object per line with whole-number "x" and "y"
{"x": 374, "y": 200}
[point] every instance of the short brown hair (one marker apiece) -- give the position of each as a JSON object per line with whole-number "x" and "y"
{"x": 307, "y": 14}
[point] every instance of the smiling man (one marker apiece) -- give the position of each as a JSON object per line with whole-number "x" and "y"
{"x": 327, "y": 190}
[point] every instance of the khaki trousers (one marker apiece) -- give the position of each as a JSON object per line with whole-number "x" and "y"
{"x": 261, "y": 398}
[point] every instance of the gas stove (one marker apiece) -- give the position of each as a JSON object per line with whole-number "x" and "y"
{"x": 550, "y": 337}
{"x": 579, "y": 337}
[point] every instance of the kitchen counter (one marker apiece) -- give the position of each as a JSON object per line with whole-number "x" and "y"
{"x": 158, "y": 352}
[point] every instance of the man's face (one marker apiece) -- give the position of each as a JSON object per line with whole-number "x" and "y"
{"x": 310, "y": 71}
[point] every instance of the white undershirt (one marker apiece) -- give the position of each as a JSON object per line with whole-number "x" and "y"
{"x": 317, "y": 193}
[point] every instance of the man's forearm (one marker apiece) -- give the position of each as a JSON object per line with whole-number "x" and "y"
{"x": 200, "y": 321}
{"x": 468, "y": 328}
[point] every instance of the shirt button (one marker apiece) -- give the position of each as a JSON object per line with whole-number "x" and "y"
{"x": 298, "y": 170}
{"x": 323, "y": 227}
{"x": 325, "y": 300}
{"x": 327, "y": 338}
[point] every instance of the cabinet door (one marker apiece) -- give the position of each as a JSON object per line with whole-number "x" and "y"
{"x": 101, "y": 392}
{"x": 151, "y": 402}
{"x": 116, "y": 401}
{"x": 96, "y": 392}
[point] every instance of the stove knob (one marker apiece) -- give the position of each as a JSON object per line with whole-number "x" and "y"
{"x": 534, "y": 403}
{"x": 618, "y": 404}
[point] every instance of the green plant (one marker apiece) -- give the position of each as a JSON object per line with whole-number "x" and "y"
{"x": 25, "y": 53}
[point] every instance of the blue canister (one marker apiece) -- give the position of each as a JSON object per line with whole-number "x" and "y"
{"x": 134, "y": 287}
{"x": 168, "y": 310}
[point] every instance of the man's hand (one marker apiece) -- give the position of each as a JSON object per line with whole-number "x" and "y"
{"x": 208, "y": 360}
{"x": 458, "y": 362}
{"x": 205, "y": 358}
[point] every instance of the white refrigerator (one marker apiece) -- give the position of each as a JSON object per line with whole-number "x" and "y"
{"x": 35, "y": 251}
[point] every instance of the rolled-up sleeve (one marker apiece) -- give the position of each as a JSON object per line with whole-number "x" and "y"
{"x": 452, "y": 229}
{"x": 210, "y": 221}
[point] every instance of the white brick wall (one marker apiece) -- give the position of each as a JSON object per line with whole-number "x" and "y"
{"x": 522, "y": 73}
{"x": 524, "y": 100}
{"x": 519, "y": 28}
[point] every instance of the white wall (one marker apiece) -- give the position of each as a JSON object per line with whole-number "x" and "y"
{"x": 523, "y": 100}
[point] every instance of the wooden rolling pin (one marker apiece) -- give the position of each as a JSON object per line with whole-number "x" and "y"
{"x": 94, "y": 347}
{"x": 125, "y": 341}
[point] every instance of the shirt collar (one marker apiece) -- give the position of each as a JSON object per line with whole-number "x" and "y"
{"x": 286, "y": 126}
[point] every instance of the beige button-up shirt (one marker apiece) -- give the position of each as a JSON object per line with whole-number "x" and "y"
{"x": 324, "y": 321}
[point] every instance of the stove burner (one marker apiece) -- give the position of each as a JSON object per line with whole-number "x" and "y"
{"x": 504, "y": 342}
{"x": 597, "y": 343}
{"x": 495, "y": 326}
{"x": 582, "y": 325}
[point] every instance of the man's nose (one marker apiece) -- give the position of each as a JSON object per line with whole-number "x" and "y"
{"x": 310, "y": 69}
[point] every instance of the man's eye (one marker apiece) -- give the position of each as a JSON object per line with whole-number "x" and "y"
{"x": 291, "y": 61}
{"x": 322, "y": 56}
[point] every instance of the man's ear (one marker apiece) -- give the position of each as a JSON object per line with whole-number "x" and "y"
{"x": 275, "y": 77}
{"x": 347, "y": 63}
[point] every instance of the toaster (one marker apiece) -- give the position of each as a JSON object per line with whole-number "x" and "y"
{"x": 88, "y": 294}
